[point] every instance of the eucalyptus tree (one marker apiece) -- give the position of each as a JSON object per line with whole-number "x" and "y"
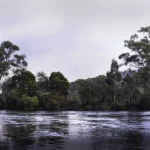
{"x": 139, "y": 58}
{"x": 129, "y": 86}
{"x": 10, "y": 63}
{"x": 115, "y": 76}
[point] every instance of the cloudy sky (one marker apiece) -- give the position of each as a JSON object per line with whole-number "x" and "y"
{"x": 77, "y": 37}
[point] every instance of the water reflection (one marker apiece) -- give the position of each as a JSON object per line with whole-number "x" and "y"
{"x": 25, "y": 131}
{"x": 74, "y": 130}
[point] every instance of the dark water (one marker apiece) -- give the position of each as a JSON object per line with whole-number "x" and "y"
{"x": 74, "y": 130}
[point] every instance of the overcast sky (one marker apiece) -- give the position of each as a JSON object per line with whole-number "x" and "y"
{"x": 76, "y": 37}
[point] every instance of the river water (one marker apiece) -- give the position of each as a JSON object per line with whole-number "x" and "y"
{"x": 73, "y": 130}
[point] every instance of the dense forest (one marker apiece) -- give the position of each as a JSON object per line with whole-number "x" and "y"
{"x": 117, "y": 90}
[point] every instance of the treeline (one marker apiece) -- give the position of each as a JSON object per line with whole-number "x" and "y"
{"x": 117, "y": 90}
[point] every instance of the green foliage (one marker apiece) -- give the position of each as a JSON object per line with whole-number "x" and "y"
{"x": 29, "y": 103}
{"x": 145, "y": 102}
{"x": 52, "y": 92}
{"x": 94, "y": 93}
{"x": 53, "y": 104}
{"x": 139, "y": 44}
{"x": 43, "y": 80}
{"x": 74, "y": 103}
{"x": 57, "y": 82}
{"x": 13, "y": 98}
{"x": 43, "y": 97}
{"x": 9, "y": 60}
{"x": 126, "y": 90}
{"x": 25, "y": 82}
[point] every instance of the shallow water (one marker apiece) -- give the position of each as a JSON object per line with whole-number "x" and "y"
{"x": 72, "y": 130}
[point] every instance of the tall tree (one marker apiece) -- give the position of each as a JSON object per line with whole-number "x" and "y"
{"x": 42, "y": 80}
{"x": 115, "y": 76}
{"x": 139, "y": 58}
{"x": 43, "y": 91}
{"x": 18, "y": 85}
{"x": 10, "y": 62}
{"x": 58, "y": 83}
{"x": 59, "y": 87}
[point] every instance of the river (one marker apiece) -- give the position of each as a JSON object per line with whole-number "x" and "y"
{"x": 74, "y": 130}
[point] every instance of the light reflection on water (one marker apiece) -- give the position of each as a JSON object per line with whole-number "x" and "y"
{"x": 74, "y": 130}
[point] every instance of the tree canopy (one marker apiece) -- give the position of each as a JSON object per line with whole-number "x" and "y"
{"x": 117, "y": 90}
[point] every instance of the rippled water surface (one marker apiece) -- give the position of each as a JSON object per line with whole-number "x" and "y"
{"x": 74, "y": 130}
